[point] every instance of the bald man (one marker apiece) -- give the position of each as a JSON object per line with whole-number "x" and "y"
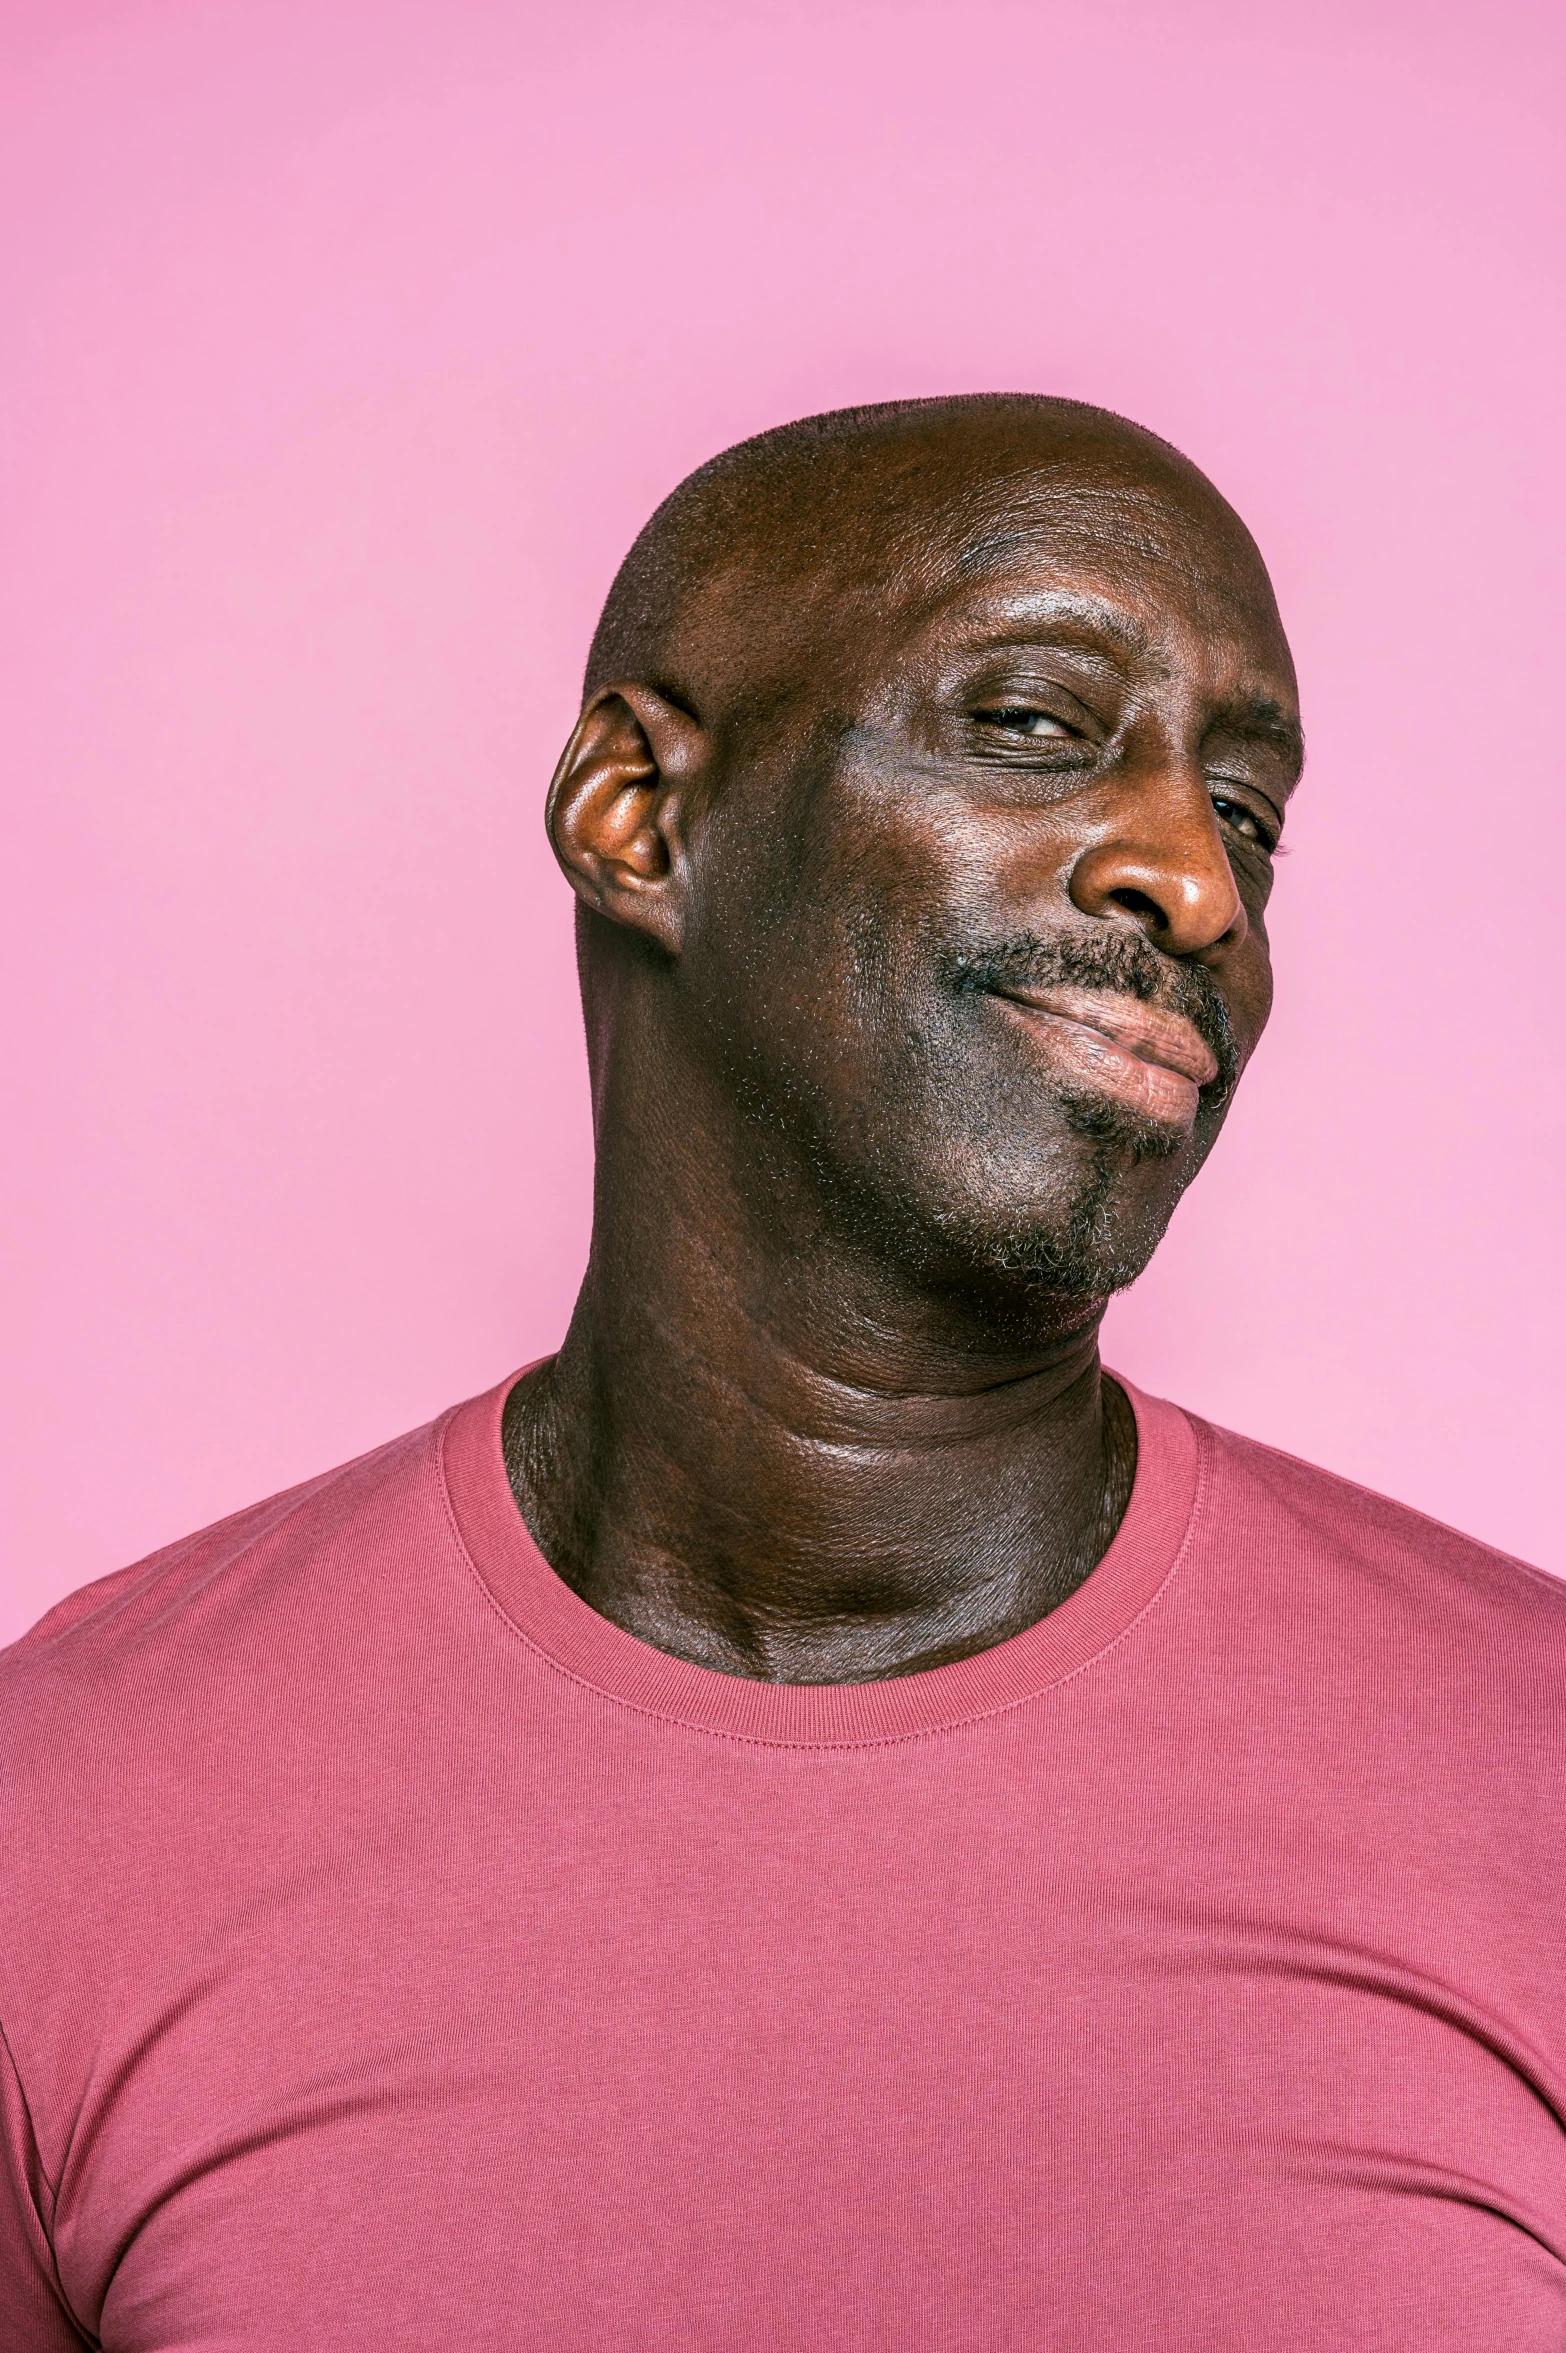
{"x": 816, "y": 1818}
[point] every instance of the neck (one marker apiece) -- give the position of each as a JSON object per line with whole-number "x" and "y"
{"x": 762, "y": 1451}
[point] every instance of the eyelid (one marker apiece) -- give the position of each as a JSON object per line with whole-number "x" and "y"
{"x": 1014, "y": 690}
{"x": 996, "y": 716}
{"x": 1036, "y": 703}
{"x": 1269, "y": 828}
{"x": 1019, "y": 710}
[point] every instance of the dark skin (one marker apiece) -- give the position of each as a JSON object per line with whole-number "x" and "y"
{"x": 922, "y": 944}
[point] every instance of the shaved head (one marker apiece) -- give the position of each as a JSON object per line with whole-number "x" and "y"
{"x": 921, "y": 814}
{"x": 800, "y": 523}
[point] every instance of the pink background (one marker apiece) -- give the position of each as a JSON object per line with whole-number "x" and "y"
{"x": 347, "y": 347}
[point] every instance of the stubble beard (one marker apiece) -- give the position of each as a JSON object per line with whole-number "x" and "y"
{"x": 1033, "y": 1228}
{"x": 1093, "y": 1228}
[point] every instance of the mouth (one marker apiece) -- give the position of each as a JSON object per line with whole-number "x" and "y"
{"x": 1150, "y": 1060}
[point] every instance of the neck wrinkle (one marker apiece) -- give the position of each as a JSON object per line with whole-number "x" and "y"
{"x": 768, "y": 1451}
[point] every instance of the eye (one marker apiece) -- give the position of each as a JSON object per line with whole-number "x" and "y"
{"x": 1244, "y": 822}
{"x": 1025, "y": 722}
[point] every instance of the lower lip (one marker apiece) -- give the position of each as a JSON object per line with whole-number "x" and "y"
{"x": 1090, "y": 1059}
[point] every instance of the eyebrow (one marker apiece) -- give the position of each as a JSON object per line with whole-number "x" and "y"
{"x": 1054, "y": 608}
{"x": 1264, "y": 720}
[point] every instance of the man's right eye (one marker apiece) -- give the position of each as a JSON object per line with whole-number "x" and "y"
{"x": 1025, "y": 722}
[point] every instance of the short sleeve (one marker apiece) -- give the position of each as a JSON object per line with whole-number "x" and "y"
{"x": 33, "y": 2317}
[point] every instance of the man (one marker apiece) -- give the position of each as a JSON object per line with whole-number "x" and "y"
{"x": 815, "y": 1818}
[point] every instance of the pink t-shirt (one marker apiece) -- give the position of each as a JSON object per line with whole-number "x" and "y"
{"x": 397, "y": 1955}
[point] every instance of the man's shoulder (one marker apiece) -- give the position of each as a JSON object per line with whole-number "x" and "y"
{"x": 1256, "y": 1495}
{"x": 120, "y": 1659}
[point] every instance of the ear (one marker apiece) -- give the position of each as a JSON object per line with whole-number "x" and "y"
{"x": 616, "y": 808}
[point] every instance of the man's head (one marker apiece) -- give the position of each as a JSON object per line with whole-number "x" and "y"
{"x": 922, "y": 811}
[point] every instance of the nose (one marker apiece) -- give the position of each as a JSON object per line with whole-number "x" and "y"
{"x": 1163, "y": 864}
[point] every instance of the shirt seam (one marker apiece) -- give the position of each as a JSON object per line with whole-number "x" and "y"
{"x": 957, "y": 1724}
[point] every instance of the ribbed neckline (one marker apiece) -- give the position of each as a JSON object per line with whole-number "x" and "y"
{"x": 544, "y": 1610}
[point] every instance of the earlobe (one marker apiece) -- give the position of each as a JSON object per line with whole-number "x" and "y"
{"x": 616, "y": 806}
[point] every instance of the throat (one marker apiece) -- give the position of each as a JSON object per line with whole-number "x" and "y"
{"x": 816, "y": 1532}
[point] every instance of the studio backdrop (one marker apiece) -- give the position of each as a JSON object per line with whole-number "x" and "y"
{"x": 347, "y": 348}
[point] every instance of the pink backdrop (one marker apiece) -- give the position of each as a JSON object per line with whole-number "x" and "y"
{"x": 348, "y": 346}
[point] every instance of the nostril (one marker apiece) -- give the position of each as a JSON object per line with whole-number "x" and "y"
{"x": 1138, "y": 903}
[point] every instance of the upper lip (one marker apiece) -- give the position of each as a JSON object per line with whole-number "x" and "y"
{"x": 1148, "y": 1031}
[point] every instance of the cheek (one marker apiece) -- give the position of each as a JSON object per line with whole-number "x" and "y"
{"x": 798, "y": 964}
{"x": 1027, "y": 859}
{"x": 1248, "y": 988}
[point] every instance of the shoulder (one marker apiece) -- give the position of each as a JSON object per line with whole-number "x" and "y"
{"x": 136, "y": 1660}
{"x": 180, "y": 1741}
{"x": 1394, "y": 1562}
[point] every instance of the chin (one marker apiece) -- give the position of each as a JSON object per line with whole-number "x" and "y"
{"x": 1110, "y": 1184}
{"x": 1064, "y": 1204}
{"x": 1083, "y": 1242}
{"x": 1088, "y": 1257}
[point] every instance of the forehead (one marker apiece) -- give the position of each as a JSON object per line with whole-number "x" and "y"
{"x": 841, "y": 592}
{"x": 1152, "y": 578}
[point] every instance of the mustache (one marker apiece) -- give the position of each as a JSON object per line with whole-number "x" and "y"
{"x": 1124, "y": 961}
